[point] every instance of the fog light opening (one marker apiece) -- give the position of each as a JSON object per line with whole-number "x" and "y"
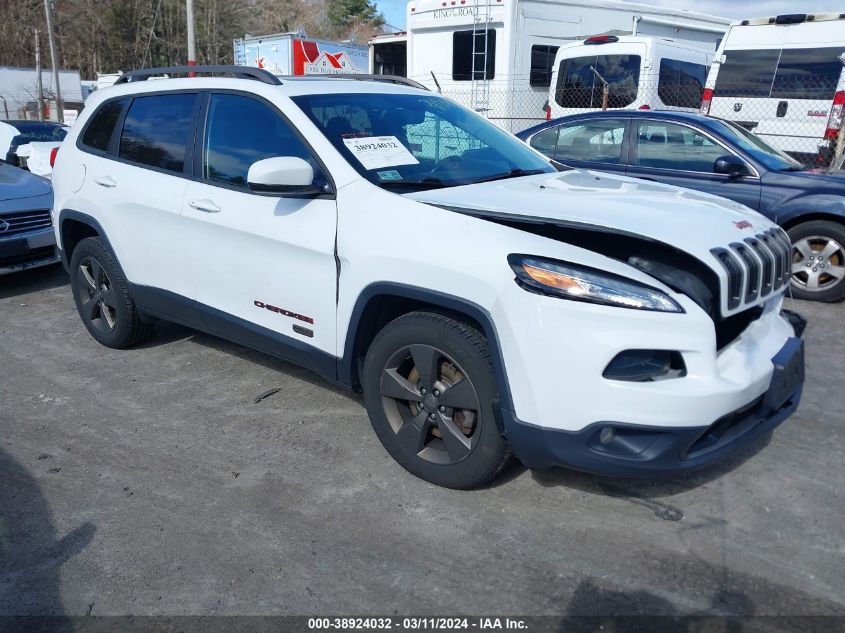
{"x": 644, "y": 365}
{"x": 607, "y": 434}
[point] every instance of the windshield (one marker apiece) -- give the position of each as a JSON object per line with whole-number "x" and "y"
{"x": 409, "y": 142}
{"x": 772, "y": 158}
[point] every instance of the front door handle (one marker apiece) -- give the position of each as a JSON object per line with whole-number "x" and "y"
{"x": 204, "y": 205}
{"x": 106, "y": 181}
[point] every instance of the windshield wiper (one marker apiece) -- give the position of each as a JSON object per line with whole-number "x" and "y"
{"x": 424, "y": 183}
{"x": 513, "y": 173}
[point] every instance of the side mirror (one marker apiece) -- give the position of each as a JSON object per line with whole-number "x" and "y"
{"x": 731, "y": 165}
{"x": 286, "y": 176}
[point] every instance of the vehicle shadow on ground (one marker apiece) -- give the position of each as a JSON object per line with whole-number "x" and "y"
{"x": 34, "y": 280}
{"x": 642, "y": 491}
{"x": 166, "y": 332}
{"x": 30, "y": 553}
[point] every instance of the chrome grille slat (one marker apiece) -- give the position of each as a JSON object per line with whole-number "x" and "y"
{"x": 756, "y": 268}
{"x": 752, "y": 269}
{"x": 25, "y": 222}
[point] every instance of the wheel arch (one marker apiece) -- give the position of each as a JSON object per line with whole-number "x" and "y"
{"x": 75, "y": 226}
{"x": 380, "y": 303}
{"x": 801, "y": 218}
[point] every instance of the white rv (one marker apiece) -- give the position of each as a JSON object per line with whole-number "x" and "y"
{"x": 783, "y": 77}
{"x": 497, "y": 56}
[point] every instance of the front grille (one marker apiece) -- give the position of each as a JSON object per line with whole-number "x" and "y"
{"x": 756, "y": 267}
{"x": 24, "y": 222}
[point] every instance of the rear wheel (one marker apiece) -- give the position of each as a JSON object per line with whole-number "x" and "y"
{"x": 429, "y": 389}
{"x": 818, "y": 261}
{"x": 102, "y": 296}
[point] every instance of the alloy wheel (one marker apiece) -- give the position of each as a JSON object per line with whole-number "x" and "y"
{"x": 818, "y": 263}
{"x": 96, "y": 295}
{"x": 431, "y": 404}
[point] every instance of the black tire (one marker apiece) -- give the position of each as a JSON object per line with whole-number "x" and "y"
{"x": 460, "y": 446}
{"x": 811, "y": 241}
{"x": 102, "y": 296}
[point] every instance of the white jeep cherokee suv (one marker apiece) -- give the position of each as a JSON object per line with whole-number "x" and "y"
{"x": 393, "y": 241}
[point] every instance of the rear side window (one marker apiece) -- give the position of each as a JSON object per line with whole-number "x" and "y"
{"x": 808, "y": 73}
{"x": 542, "y": 62}
{"x": 468, "y": 55}
{"x": 578, "y": 87}
{"x": 98, "y": 133}
{"x": 798, "y": 73}
{"x": 591, "y": 141}
{"x": 747, "y": 73}
{"x": 157, "y": 129}
{"x": 241, "y": 131}
{"x": 680, "y": 84}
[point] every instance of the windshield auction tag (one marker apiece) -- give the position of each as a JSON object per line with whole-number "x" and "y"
{"x": 377, "y": 152}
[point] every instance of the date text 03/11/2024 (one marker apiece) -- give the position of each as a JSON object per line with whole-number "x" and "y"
{"x": 416, "y": 623}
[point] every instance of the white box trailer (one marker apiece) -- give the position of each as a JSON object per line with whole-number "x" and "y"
{"x": 497, "y": 56}
{"x": 296, "y": 54}
{"x": 389, "y": 54}
{"x": 18, "y": 88}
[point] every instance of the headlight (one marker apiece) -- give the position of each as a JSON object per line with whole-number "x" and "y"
{"x": 588, "y": 284}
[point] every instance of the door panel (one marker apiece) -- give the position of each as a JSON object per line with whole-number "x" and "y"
{"x": 263, "y": 259}
{"x": 141, "y": 191}
{"x": 680, "y": 155}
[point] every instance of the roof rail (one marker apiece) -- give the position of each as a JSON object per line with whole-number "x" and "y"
{"x": 240, "y": 72}
{"x": 390, "y": 79}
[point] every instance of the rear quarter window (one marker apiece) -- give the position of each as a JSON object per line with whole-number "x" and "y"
{"x": 99, "y": 131}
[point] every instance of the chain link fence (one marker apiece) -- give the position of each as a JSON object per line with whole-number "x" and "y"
{"x": 802, "y": 118}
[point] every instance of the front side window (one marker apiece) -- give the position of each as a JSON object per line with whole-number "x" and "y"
{"x": 157, "y": 129}
{"x": 410, "y": 142}
{"x": 680, "y": 84}
{"x": 668, "y": 146}
{"x": 542, "y": 62}
{"x": 99, "y": 131}
{"x": 473, "y": 55}
{"x": 578, "y": 87}
{"x": 241, "y": 131}
{"x": 591, "y": 141}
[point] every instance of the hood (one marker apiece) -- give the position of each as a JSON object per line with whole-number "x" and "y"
{"x": 18, "y": 183}
{"x": 818, "y": 178}
{"x": 689, "y": 220}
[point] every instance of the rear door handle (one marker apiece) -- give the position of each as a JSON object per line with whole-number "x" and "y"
{"x": 204, "y": 205}
{"x": 106, "y": 181}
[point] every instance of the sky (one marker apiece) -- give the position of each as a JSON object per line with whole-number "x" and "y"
{"x": 394, "y": 10}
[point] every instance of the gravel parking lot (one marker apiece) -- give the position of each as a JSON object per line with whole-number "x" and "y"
{"x": 150, "y": 481}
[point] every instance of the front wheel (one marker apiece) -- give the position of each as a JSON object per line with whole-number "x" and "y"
{"x": 818, "y": 261}
{"x": 429, "y": 390}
